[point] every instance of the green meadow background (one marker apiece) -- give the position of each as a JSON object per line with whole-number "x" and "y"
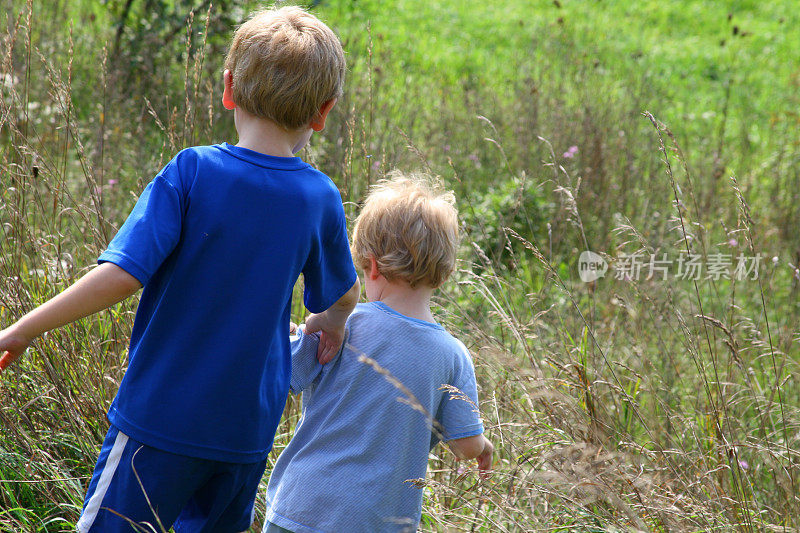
{"x": 664, "y": 129}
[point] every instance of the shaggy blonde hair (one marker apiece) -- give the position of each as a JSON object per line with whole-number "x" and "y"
{"x": 410, "y": 225}
{"x": 285, "y": 65}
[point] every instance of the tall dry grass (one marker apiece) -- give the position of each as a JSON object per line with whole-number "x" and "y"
{"x": 641, "y": 404}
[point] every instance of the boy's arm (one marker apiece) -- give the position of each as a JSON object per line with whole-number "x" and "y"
{"x": 102, "y": 287}
{"x": 331, "y": 324}
{"x": 305, "y": 366}
{"x": 475, "y": 447}
{"x": 460, "y": 417}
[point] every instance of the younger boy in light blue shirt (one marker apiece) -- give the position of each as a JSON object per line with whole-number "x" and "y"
{"x": 401, "y": 383}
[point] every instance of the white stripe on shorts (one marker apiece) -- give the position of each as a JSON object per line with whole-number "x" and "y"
{"x": 90, "y": 512}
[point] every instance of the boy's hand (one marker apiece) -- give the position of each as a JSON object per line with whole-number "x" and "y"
{"x": 102, "y": 287}
{"x": 477, "y": 447}
{"x": 12, "y": 345}
{"x": 485, "y": 459}
{"x": 330, "y": 339}
{"x": 330, "y": 323}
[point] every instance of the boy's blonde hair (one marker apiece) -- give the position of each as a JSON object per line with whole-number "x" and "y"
{"x": 285, "y": 64}
{"x": 410, "y": 225}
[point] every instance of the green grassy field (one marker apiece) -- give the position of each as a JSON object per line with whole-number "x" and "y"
{"x": 682, "y": 57}
{"x": 623, "y": 404}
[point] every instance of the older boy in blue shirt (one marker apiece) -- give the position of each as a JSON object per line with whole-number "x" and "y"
{"x": 348, "y": 465}
{"x": 217, "y": 240}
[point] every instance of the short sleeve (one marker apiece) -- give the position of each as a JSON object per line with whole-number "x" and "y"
{"x": 150, "y": 232}
{"x": 305, "y": 366}
{"x": 458, "y": 413}
{"x": 328, "y": 272}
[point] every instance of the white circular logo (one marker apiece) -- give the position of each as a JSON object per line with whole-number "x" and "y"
{"x": 591, "y": 266}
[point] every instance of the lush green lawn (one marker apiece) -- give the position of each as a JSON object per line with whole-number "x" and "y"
{"x": 684, "y": 55}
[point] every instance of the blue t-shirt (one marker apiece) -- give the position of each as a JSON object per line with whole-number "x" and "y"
{"x": 360, "y": 437}
{"x": 218, "y": 239}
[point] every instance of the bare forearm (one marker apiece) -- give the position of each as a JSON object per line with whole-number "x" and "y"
{"x": 102, "y": 287}
{"x": 338, "y": 312}
{"x": 478, "y": 448}
{"x": 469, "y": 447}
{"x": 331, "y": 323}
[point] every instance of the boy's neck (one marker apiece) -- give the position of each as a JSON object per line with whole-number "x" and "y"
{"x": 408, "y": 301}
{"x": 264, "y": 136}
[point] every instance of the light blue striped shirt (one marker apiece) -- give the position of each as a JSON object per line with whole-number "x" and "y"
{"x": 363, "y": 435}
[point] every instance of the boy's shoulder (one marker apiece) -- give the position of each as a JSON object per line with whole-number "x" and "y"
{"x": 376, "y": 319}
{"x": 185, "y": 165}
{"x": 193, "y": 154}
{"x": 227, "y": 154}
{"x": 224, "y": 159}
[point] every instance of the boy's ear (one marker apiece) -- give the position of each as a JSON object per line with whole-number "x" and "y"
{"x": 318, "y": 122}
{"x": 373, "y": 271}
{"x": 227, "y": 92}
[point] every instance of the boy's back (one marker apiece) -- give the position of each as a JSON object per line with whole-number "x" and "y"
{"x": 218, "y": 239}
{"x": 330, "y": 478}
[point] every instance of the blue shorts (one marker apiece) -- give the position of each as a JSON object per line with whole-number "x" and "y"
{"x": 195, "y": 495}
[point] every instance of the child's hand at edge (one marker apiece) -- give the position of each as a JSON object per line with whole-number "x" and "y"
{"x": 330, "y": 339}
{"x": 485, "y": 459}
{"x": 12, "y": 346}
{"x": 477, "y": 447}
{"x": 100, "y": 288}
